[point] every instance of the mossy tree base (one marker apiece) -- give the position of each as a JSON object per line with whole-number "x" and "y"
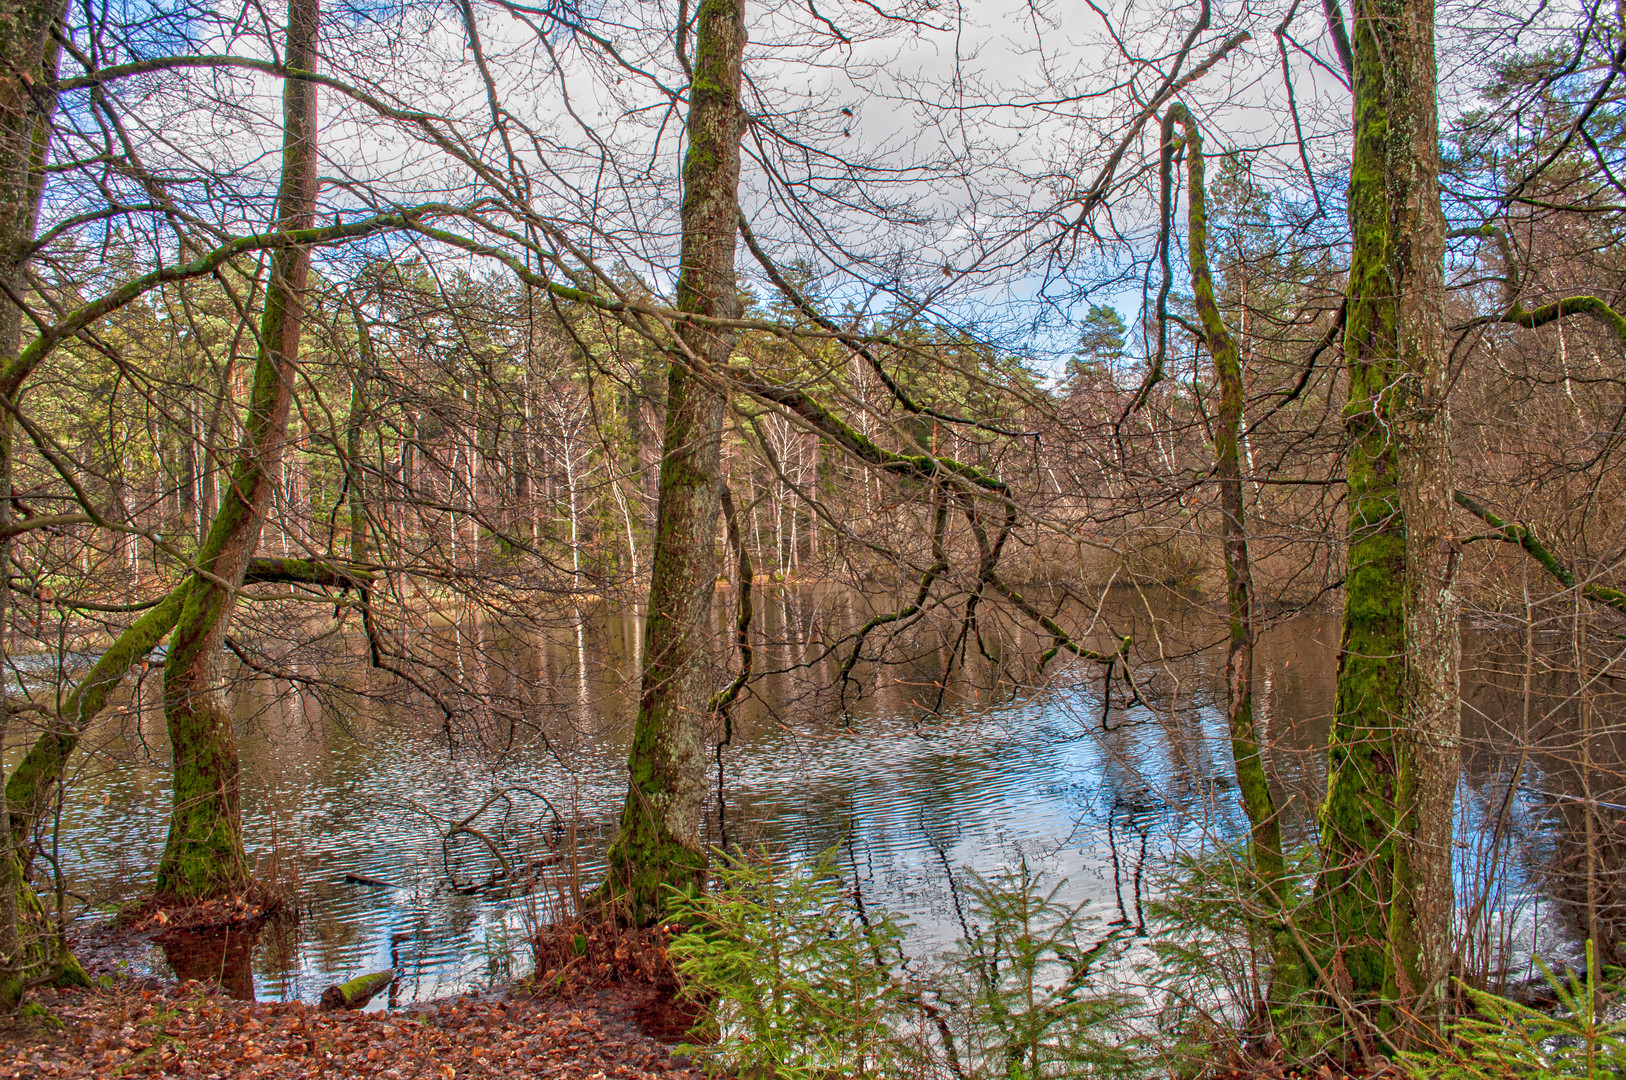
{"x": 643, "y": 875}
{"x": 46, "y": 958}
{"x": 203, "y": 856}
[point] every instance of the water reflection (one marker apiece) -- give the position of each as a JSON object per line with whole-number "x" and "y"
{"x": 347, "y": 777}
{"x": 225, "y": 957}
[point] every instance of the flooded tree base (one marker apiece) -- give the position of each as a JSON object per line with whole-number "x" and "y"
{"x": 606, "y": 1006}
{"x": 629, "y": 965}
{"x": 206, "y": 942}
{"x": 241, "y": 912}
{"x": 220, "y": 956}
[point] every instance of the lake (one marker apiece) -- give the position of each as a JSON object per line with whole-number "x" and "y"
{"x": 920, "y": 781}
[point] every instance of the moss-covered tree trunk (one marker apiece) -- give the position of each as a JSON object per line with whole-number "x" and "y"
{"x": 29, "y": 950}
{"x": 28, "y": 69}
{"x": 659, "y": 840}
{"x": 203, "y": 855}
{"x": 1385, "y": 884}
{"x": 1253, "y": 783}
{"x": 33, "y": 783}
{"x": 1257, "y": 800}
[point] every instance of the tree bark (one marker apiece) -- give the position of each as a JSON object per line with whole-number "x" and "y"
{"x": 356, "y": 500}
{"x": 1385, "y": 887}
{"x": 1265, "y": 834}
{"x": 1420, "y": 925}
{"x": 203, "y": 855}
{"x": 659, "y": 841}
{"x": 29, "y": 950}
{"x": 28, "y": 67}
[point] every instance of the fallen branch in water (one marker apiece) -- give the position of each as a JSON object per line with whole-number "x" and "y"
{"x": 357, "y": 992}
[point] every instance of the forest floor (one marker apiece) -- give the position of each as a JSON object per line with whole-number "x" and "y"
{"x": 592, "y": 1029}
{"x": 609, "y": 1014}
{"x": 194, "y": 1031}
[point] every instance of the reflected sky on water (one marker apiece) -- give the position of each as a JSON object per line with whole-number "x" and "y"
{"x": 910, "y": 795}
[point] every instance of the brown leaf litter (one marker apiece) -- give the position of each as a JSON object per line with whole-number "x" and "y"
{"x": 603, "y": 1008}
{"x": 194, "y": 1031}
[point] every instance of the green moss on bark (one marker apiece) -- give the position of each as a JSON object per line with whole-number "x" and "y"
{"x": 658, "y": 846}
{"x": 1383, "y": 896}
{"x": 1253, "y": 783}
{"x": 203, "y": 854}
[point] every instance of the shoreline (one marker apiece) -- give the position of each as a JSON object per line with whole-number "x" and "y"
{"x": 147, "y": 1026}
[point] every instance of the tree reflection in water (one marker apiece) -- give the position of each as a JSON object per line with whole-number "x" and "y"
{"x": 224, "y": 957}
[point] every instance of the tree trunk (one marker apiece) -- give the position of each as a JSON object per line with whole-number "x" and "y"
{"x": 356, "y": 500}
{"x": 659, "y": 841}
{"x": 1421, "y": 930}
{"x": 29, "y": 949}
{"x": 1385, "y": 887}
{"x": 210, "y": 483}
{"x": 1265, "y": 834}
{"x": 28, "y": 64}
{"x": 29, "y": 789}
{"x": 204, "y": 852}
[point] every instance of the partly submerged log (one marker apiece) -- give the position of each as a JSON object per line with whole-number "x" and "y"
{"x": 358, "y": 991}
{"x": 371, "y": 882}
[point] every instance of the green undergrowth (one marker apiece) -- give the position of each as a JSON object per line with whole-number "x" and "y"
{"x": 803, "y": 981}
{"x": 798, "y": 978}
{"x": 1218, "y": 946}
{"x": 1224, "y": 1002}
{"x": 1024, "y": 986}
{"x": 1504, "y": 1040}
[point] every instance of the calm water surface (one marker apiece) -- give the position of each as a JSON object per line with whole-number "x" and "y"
{"x": 1098, "y": 796}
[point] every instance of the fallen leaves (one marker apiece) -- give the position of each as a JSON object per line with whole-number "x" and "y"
{"x": 194, "y": 1032}
{"x": 578, "y": 958}
{"x": 248, "y": 908}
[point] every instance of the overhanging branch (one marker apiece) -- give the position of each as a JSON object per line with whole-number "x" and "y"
{"x": 1511, "y": 532}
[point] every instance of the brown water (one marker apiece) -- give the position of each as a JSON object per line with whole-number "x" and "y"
{"x": 336, "y": 784}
